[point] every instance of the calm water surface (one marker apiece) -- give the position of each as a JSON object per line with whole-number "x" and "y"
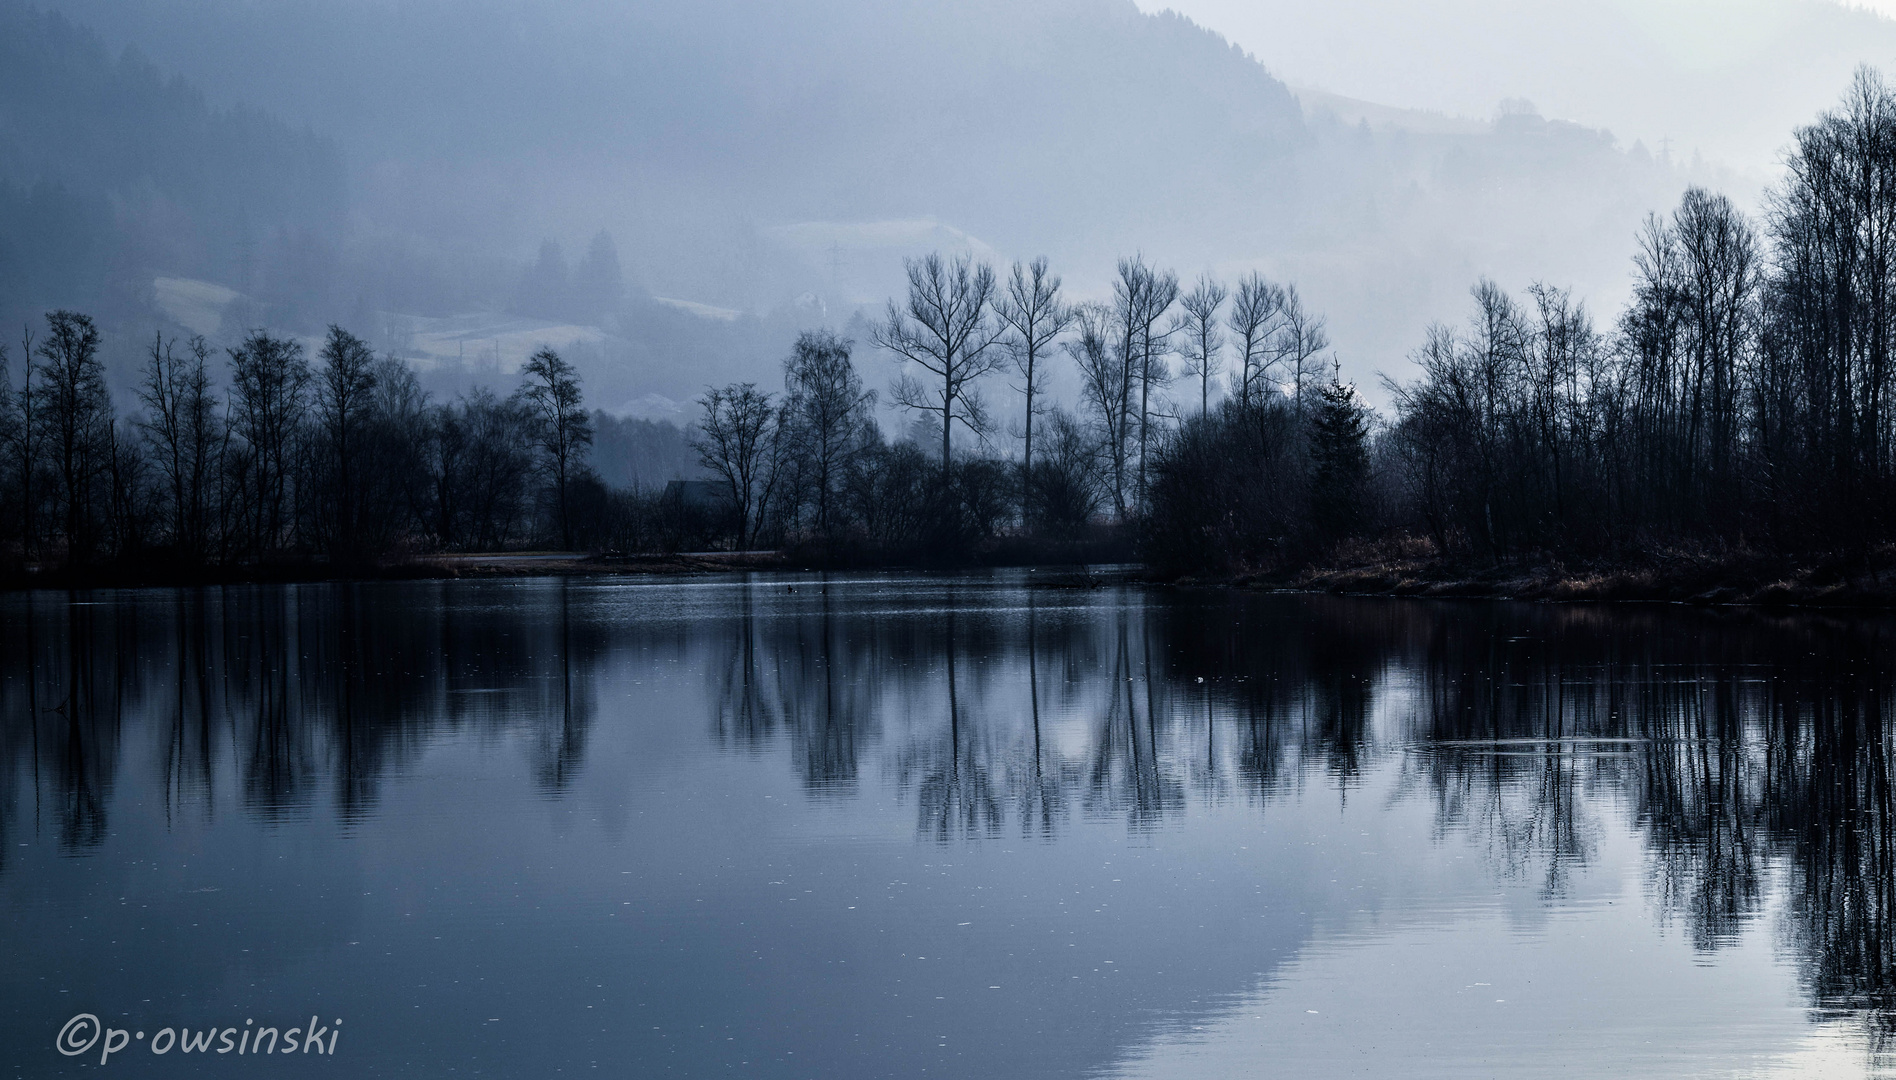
{"x": 921, "y": 826}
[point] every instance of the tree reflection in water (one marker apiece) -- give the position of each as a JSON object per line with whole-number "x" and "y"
{"x": 1751, "y": 752}
{"x": 290, "y": 687}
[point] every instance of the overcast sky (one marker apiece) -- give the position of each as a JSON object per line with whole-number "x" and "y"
{"x": 1725, "y": 77}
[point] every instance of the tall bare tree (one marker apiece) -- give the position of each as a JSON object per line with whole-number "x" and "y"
{"x": 269, "y": 392}
{"x": 945, "y": 330}
{"x": 1035, "y": 318}
{"x": 552, "y": 396}
{"x": 1300, "y": 336}
{"x": 737, "y": 441}
{"x": 1255, "y": 312}
{"x": 1202, "y": 334}
{"x": 827, "y": 415}
{"x": 1142, "y": 296}
{"x": 75, "y": 414}
{"x": 400, "y": 415}
{"x": 185, "y": 432}
{"x": 1106, "y": 386}
{"x": 345, "y": 388}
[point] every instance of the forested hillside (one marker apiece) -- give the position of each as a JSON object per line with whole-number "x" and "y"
{"x": 783, "y": 158}
{"x": 113, "y": 172}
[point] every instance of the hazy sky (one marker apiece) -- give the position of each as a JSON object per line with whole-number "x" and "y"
{"x": 1725, "y": 77}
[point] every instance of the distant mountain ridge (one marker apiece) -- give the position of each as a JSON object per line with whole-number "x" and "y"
{"x": 1031, "y": 119}
{"x": 778, "y": 160}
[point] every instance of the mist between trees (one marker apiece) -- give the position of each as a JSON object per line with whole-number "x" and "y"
{"x": 1741, "y": 403}
{"x": 267, "y": 456}
{"x": 1744, "y": 400}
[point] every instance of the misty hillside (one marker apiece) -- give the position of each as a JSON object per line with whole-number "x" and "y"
{"x": 662, "y": 121}
{"x": 763, "y": 166}
{"x": 110, "y": 169}
{"x": 1726, "y": 78}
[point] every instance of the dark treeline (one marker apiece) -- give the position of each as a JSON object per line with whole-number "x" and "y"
{"x": 1741, "y": 402}
{"x": 811, "y": 467}
{"x": 266, "y": 455}
{"x": 1744, "y": 402}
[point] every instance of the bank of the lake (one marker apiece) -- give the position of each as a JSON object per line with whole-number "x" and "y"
{"x": 1835, "y": 581}
{"x": 1111, "y": 547}
{"x": 1846, "y": 580}
{"x": 161, "y": 573}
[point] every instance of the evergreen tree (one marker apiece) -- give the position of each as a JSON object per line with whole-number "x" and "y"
{"x": 1339, "y": 461}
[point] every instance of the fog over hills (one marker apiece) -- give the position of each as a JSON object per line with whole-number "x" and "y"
{"x": 1725, "y": 78}
{"x": 111, "y": 169}
{"x": 714, "y": 175}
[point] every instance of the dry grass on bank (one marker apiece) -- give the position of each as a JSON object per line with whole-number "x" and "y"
{"x": 1408, "y": 566}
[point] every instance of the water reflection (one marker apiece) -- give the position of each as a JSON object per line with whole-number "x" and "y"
{"x": 1751, "y": 753}
{"x": 293, "y": 696}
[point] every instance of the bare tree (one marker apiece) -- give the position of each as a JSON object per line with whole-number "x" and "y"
{"x": 1035, "y": 318}
{"x": 269, "y": 390}
{"x": 552, "y": 397}
{"x": 75, "y": 413}
{"x": 494, "y": 466}
{"x": 1834, "y": 345}
{"x": 945, "y": 330}
{"x": 1203, "y": 335}
{"x": 400, "y": 415}
{"x": 20, "y": 436}
{"x": 1141, "y": 298}
{"x": 1106, "y": 386}
{"x": 1255, "y": 311}
{"x": 1300, "y": 337}
{"x": 826, "y": 413}
{"x": 344, "y": 392}
{"x": 738, "y": 442}
{"x": 181, "y": 425}
{"x": 1065, "y": 490}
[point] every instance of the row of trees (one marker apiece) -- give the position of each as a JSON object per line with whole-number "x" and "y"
{"x": 1744, "y": 397}
{"x": 344, "y": 459}
{"x": 812, "y": 463}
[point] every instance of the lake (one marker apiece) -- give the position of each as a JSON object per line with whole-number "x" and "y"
{"x": 1001, "y": 825}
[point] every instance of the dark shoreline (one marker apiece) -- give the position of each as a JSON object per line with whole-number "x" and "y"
{"x": 1861, "y": 582}
{"x": 1075, "y": 558}
{"x": 1855, "y": 583}
{"x": 498, "y": 565}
